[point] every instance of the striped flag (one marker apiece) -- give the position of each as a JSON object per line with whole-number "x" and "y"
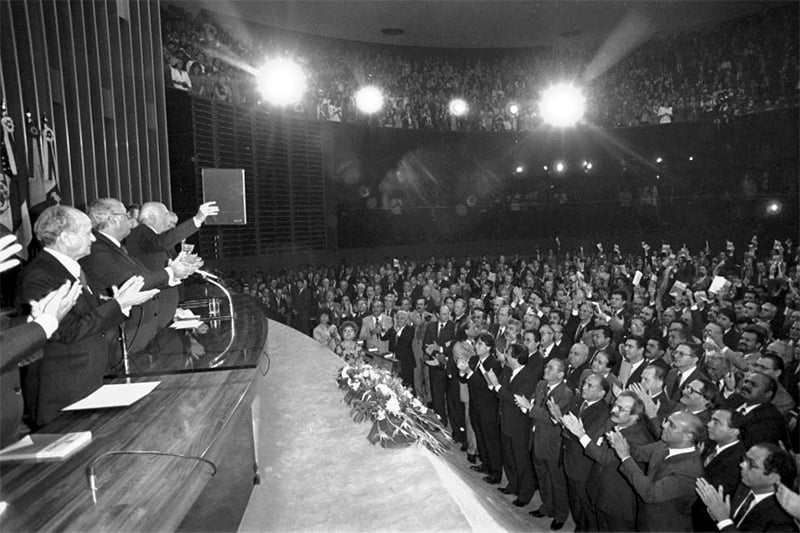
{"x": 13, "y": 193}
{"x": 43, "y": 179}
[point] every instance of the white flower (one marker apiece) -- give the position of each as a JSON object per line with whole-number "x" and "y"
{"x": 381, "y": 415}
{"x": 416, "y": 404}
{"x": 344, "y": 371}
{"x": 393, "y": 406}
{"x": 385, "y": 390}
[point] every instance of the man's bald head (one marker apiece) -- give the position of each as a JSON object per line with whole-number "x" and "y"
{"x": 155, "y": 215}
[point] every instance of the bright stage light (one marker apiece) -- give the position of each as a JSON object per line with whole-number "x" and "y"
{"x": 513, "y": 108}
{"x": 545, "y": 168}
{"x": 369, "y": 100}
{"x": 562, "y": 105}
{"x": 773, "y": 208}
{"x": 659, "y": 160}
{"x": 560, "y": 167}
{"x": 520, "y": 169}
{"x": 587, "y": 165}
{"x": 281, "y": 81}
{"x": 458, "y": 107}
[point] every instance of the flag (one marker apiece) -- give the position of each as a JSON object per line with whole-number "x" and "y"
{"x": 13, "y": 193}
{"x": 42, "y": 175}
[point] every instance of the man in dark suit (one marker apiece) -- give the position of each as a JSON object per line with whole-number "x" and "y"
{"x": 483, "y": 406}
{"x": 673, "y": 465}
{"x": 153, "y": 243}
{"x": 720, "y": 461}
{"x": 302, "y": 306}
{"x": 517, "y": 377}
{"x": 536, "y": 362}
{"x": 76, "y": 356}
{"x": 612, "y": 496}
{"x": 592, "y": 411}
{"x": 579, "y": 325}
{"x": 436, "y": 344}
{"x": 633, "y": 361}
{"x": 23, "y": 340}
{"x": 686, "y": 358}
{"x": 546, "y": 448}
{"x": 401, "y": 337}
{"x": 762, "y": 420}
{"x": 578, "y": 359}
{"x": 109, "y": 264}
{"x": 754, "y": 506}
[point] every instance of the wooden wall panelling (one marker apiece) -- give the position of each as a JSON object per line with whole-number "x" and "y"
{"x": 137, "y": 57}
{"x": 146, "y": 40}
{"x": 11, "y": 84}
{"x": 160, "y": 105}
{"x": 131, "y": 107}
{"x": 106, "y": 100}
{"x": 94, "y": 88}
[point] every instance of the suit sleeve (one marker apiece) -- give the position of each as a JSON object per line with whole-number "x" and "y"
{"x": 19, "y": 341}
{"x": 105, "y": 270}
{"x": 674, "y": 485}
{"x": 157, "y": 242}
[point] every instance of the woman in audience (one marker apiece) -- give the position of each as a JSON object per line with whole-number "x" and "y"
{"x": 463, "y": 350}
{"x": 325, "y": 333}
{"x": 349, "y": 348}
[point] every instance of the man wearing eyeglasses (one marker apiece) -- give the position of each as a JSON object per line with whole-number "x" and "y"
{"x": 754, "y": 506}
{"x": 685, "y": 359}
{"x": 109, "y": 264}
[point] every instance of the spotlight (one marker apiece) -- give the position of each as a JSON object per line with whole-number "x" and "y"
{"x": 369, "y": 100}
{"x": 659, "y": 160}
{"x": 562, "y": 105}
{"x": 773, "y": 208}
{"x": 545, "y": 168}
{"x": 691, "y": 158}
{"x": 281, "y": 81}
{"x": 458, "y": 107}
{"x": 587, "y": 165}
{"x": 520, "y": 169}
{"x": 513, "y": 108}
{"x": 560, "y": 167}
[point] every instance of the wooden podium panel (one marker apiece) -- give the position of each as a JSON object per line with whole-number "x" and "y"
{"x": 190, "y": 414}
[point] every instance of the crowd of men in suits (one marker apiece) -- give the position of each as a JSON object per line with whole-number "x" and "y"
{"x": 642, "y": 407}
{"x": 101, "y": 277}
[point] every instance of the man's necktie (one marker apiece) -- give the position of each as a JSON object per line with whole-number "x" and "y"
{"x": 584, "y": 405}
{"x": 710, "y": 457}
{"x": 743, "y": 508}
{"x": 84, "y": 282}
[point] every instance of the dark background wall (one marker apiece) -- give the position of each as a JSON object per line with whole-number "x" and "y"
{"x": 93, "y": 68}
{"x": 321, "y": 191}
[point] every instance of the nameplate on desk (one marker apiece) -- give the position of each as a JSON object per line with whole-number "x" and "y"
{"x": 114, "y": 395}
{"x": 46, "y": 446}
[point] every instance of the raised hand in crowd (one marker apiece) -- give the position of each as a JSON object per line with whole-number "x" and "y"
{"x": 9, "y": 247}
{"x": 130, "y": 293}
{"x": 717, "y": 502}
{"x": 208, "y": 209}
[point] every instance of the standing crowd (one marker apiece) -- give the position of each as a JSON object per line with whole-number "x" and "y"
{"x": 651, "y": 391}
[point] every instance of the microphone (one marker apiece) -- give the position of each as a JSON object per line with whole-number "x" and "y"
{"x": 206, "y": 274}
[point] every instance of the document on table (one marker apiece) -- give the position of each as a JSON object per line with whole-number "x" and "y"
{"x": 114, "y": 395}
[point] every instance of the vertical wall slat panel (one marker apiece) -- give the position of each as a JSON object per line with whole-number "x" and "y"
{"x": 95, "y": 92}
{"x": 11, "y": 83}
{"x": 146, "y": 38}
{"x": 137, "y": 154}
{"x": 27, "y": 81}
{"x": 123, "y": 148}
{"x": 85, "y": 111}
{"x": 41, "y": 70}
{"x": 63, "y": 139}
{"x": 161, "y": 105}
{"x": 107, "y": 100}
{"x": 71, "y": 103}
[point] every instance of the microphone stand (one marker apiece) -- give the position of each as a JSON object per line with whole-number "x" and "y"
{"x": 214, "y": 311}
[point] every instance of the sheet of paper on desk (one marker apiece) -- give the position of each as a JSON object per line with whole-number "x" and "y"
{"x": 185, "y": 324}
{"x": 114, "y": 395}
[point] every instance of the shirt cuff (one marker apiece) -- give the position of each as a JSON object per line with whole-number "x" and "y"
{"x": 49, "y": 324}
{"x": 172, "y": 282}
{"x": 722, "y": 524}
{"x": 585, "y": 440}
{"x": 197, "y": 223}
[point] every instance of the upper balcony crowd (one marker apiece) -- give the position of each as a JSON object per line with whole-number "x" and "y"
{"x": 737, "y": 67}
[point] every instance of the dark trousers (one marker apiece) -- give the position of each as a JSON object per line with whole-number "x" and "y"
{"x": 580, "y": 505}
{"x": 439, "y": 392}
{"x": 455, "y": 410}
{"x": 518, "y": 466}
{"x": 487, "y": 436}
{"x": 552, "y": 487}
{"x": 615, "y": 522}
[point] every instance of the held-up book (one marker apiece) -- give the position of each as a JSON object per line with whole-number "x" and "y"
{"x": 46, "y": 446}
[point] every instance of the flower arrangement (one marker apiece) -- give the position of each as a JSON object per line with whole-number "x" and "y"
{"x": 398, "y": 417}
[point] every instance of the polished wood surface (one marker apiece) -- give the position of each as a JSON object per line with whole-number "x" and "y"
{"x": 189, "y": 414}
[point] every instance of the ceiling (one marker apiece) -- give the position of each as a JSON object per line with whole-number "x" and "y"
{"x": 475, "y": 24}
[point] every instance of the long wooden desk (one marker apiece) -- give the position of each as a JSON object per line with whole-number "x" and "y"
{"x": 200, "y": 414}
